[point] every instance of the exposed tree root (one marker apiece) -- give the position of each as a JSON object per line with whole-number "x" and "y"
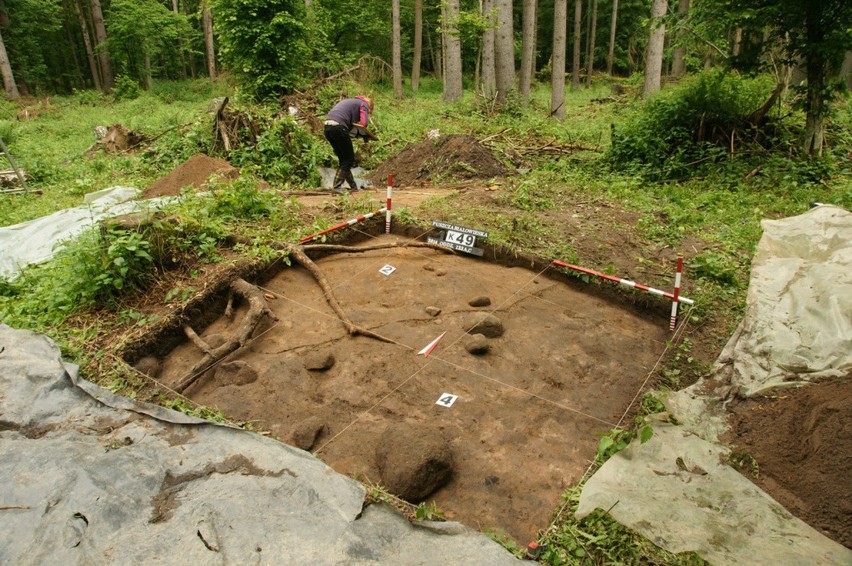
{"x": 258, "y": 307}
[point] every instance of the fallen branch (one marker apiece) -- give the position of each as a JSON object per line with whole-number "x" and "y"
{"x": 298, "y": 254}
{"x": 258, "y": 307}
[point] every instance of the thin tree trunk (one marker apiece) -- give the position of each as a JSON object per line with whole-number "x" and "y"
{"x": 9, "y": 83}
{"x": 148, "y": 78}
{"x": 418, "y": 45}
{"x": 679, "y": 55}
{"x": 452, "y": 43}
{"x": 176, "y": 10}
{"x": 489, "y": 74}
{"x": 557, "y": 76}
{"x": 397, "y": 50}
{"x": 654, "y": 60}
{"x": 504, "y": 51}
{"x": 578, "y": 28}
{"x": 103, "y": 53}
{"x": 738, "y": 40}
{"x": 207, "y": 24}
{"x": 611, "y": 55}
{"x": 87, "y": 44}
{"x": 590, "y": 61}
{"x": 528, "y": 48}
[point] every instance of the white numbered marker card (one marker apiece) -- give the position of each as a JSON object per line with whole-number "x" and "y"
{"x": 446, "y": 399}
{"x": 387, "y": 270}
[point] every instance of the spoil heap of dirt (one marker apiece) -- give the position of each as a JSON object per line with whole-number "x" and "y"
{"x": 447, "y": 158}
{"x": 801, "y": 441}
{"x": 194, "y": 172}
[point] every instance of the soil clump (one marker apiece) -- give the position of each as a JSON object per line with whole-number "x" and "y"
{"x": 446, "y": 158}
{"x": 801, "y": 442}
{"x": 194, "y": 172}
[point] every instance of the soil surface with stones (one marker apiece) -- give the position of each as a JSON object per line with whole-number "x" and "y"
{"x": 531, "y": 406}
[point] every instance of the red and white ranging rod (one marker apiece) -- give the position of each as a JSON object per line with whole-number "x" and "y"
{"x": 676, "y": 299}
{"x": 626, "y": 282}
{"x": 342, "y": 225}
{"x": 388, "y": 205}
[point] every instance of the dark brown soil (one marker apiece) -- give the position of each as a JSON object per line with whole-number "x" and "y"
{"x": 445, "y": 159}
{"x": 529, "y": 412}
{"x": 801, "y": 440}
{"x": 194, "y": 172}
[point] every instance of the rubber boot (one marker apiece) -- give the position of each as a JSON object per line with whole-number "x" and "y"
{"x": 339, "y": 178}
{"x": 350, "y": 179}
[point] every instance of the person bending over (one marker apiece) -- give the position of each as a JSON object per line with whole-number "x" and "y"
{"x": 348, "y": 119}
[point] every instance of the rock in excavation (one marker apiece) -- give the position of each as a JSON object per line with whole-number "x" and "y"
{"x": 149, "y": 365}
{"x": 433, "y": 311}
{"x": 477, "y": 344}
{"x": 306, "y": 432}
{"x": 480, "y": 302}
{"x": 413, "y": 460}
{"x": 235, "y": 373}
{"x": 483, "y": 323}
{"x": 215, "y": 340}
{"x": 319, "y": 361}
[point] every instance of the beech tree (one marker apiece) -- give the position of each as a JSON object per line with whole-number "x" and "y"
{"x": 6, "y": 69}
{"x": 557, "y": 75}
{"x": 590, "y": 53}
{"x": 396, "y": 49}
{"x": 210, "y": 52}
{"x": 528, "y": 48}
{"x": 575, "y": 67}
{"x": 679, "y": 54}
{"x": 612, "y": 27}
{"x": 489, "y": 73}
{"x": 654, "y": 58}
{"x": 101, "y": 48}
{"x": 418, "y": 45}
{"x": 452, "y": 51}
{"x": 504, "y": 50}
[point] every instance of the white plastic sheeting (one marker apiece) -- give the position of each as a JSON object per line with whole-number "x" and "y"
{"x": 37, "y": 240}
{"x": 797, "y": 326}
{"x": 87, "y": 477}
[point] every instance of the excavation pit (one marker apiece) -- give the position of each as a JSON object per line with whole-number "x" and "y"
{"x": 531, "y": 405}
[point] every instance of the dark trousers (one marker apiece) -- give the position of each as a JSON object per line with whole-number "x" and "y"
{"x": 341, "y": 143}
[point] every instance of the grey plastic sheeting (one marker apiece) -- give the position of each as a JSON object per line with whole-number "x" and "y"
{"x": 797, "y": 326}
{"x": 37, "y": 240}
{"x": 84, "y": 482}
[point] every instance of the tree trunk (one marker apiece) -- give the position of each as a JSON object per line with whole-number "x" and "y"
{"x": 557, "y": 76}
{"x": 528, "y": 49}
{"x": 87, "y": 43}
{"x": 738, "y": 41}
{"x": 504, "y": 51}
{"x": 103, "y": 54}
{"x": 207, "y": 24}
{"x": 176, "y": 10}
{"x": 678, "y": 62}
{"x": 452, "y": 43}
{"x": 9, "y": 83}
{"x": 590, "y": 56}
{"x": 611, "y": 55}
{"x": 148, "y": 78}
{"x": 397, "y": 50}
{"x": 489, "y": 73}
{"x": 654, "y": 60}
{"x": 578, "y": 28}
{"x": 418, "y": 45}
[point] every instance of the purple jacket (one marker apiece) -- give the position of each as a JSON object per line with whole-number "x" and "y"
{"x": 349, "y": 111}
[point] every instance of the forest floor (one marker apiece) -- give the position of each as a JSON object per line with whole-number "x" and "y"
{"x": 570, "y": 365}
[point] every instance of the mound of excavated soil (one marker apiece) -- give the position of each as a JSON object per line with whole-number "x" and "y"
{"x": 448, "y": 158}
{"x": 801, "y": 440}
{"x": 194, "y": 172}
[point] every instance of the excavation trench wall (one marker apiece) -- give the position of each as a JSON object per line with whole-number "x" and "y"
{"x": 532, "y": 399}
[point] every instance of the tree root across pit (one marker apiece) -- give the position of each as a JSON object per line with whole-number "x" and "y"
{"x": 258, "y": 306}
